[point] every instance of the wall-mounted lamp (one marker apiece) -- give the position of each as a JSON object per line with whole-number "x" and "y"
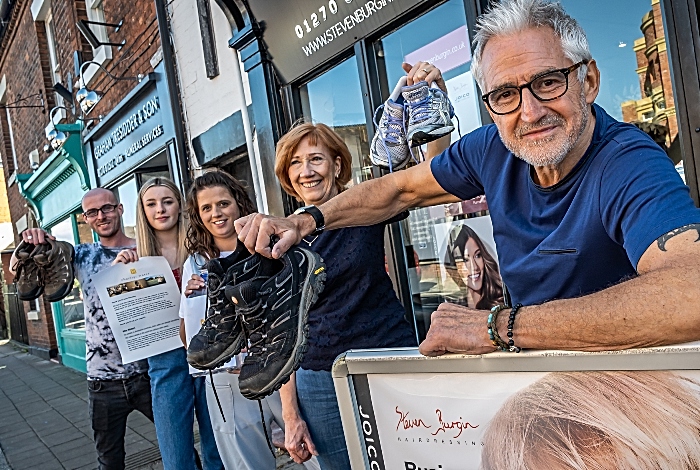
{"x": 84, "y": 27}
{"x": 87, "y": 99}
{"x": 56, "y": 138}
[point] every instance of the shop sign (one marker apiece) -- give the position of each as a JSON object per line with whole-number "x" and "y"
{"x": 631, "y": 409}
{"x": 306, "y": 33}
{"x": 134, "y": 134}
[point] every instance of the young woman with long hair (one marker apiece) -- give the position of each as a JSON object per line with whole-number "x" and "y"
{"x": 176, "y": 396}
{"x": 470, "y": 263}
{"x": 214, "y": 202}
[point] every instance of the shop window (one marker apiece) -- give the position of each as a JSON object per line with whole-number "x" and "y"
{"x": 70, "y": 309}
{"x": 128, "y": 194}
{"x": 335, "y": 98}
{"x": 445, "y": 245}
{"x": 239, "y": 167}
{"x": 628, "y": 73}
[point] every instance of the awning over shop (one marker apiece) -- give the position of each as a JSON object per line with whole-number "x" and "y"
{"x": 56, "y": 188}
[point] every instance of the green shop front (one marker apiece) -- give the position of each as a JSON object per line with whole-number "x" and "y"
{"x": 54, "y": 192}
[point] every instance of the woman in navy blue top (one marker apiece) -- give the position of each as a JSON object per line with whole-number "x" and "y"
{"x": 357, "y": 309}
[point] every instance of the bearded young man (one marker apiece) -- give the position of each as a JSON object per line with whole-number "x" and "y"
{"x": 596, "y": 232}
{"x": 115, "y": 389}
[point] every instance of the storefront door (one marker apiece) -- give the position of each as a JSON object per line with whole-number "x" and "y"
{"x": 447, "y": 253}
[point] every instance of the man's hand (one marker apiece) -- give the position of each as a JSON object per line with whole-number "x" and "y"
{"x": 255, "y": 230}
{"x": 36, "y": 236}
{"x": 457, "y": 329}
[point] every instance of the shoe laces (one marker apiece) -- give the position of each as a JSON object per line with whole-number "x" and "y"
{"x": 253, "y": 318}
{"x": 395, "y": 129}
{"x": 214, "y": 316}
{"x": 30, "y": 269}
{"x": 422, "y": 108}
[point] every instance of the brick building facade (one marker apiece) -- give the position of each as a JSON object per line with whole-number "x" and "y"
{"x": 38, "y": 45}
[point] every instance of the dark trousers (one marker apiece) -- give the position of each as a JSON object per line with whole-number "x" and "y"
{"x": 110, "y": 403}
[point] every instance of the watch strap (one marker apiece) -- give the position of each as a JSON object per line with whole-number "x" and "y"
{"x": 316, "y": 213}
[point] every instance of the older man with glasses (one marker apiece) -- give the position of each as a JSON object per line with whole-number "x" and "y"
{"x": 115, "y": 389}
{"x": 596, "y": 233}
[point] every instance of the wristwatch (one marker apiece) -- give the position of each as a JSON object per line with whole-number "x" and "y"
{"x": 316, "y": 213}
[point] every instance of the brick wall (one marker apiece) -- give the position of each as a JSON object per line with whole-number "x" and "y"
{"x": 24, "y": 61}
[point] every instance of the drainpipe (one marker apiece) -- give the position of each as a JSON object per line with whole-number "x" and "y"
{"x": 253, "y": 153}
{"x": 171, "y": 79}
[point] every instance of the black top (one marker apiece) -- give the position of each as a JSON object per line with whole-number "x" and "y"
{"x": 358, "y": 307}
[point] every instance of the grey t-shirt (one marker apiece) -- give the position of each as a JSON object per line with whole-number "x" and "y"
{"x": 103, "y": 358}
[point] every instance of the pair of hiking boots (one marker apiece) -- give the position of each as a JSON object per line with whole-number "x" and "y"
{"x": 412, "y": 116}
{"x": 263, "y": 304}
{"x": 46, "y": 268}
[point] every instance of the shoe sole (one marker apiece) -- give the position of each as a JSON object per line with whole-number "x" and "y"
{"x": 315, "y": 278}
{"x": 59, "y": 295}
{"x": 419, "y": 137}
{"x": 223, "y": 358}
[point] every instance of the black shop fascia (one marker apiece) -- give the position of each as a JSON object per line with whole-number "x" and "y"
{"x": 136, "y": 137}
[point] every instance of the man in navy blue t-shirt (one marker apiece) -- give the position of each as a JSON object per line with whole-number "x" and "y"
{"x": 596, "y": 233}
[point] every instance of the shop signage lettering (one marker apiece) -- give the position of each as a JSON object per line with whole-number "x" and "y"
{"x": 307, "y": 33}
{"x": 135, "y": 147}
{"x": 129, "y": 125}
{"x": 340, "y": 27}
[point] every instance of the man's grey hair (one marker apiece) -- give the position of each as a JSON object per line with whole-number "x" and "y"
{"x": 513, "y": 16}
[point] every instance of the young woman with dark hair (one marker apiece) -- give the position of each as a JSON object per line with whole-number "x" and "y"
{"x": 470, "y": 263}
{"x": 214, "y": 201}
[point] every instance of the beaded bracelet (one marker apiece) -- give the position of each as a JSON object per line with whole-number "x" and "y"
{"x": 493, "y": 332}
{"x": 511, "y": 321}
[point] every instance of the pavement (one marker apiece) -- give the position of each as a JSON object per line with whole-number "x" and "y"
{"x": 44, "y": 421}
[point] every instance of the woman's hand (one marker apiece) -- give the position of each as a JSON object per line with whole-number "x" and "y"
{"x": 297, "y": 440}
{"x": 194, "y": 284}
{"x": 423, "y": 71}
{"x": 126, "y": 256}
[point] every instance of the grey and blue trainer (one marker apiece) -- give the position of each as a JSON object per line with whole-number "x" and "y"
{"x": 429, "y": 114}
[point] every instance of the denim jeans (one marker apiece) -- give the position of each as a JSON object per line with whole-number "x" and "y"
{"x": 319, "y": 408}
{"x": 177, "y": 398}
{"x": 110, "y": 403}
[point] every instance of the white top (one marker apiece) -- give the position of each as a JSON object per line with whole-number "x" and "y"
{"x": 193, "y": 310}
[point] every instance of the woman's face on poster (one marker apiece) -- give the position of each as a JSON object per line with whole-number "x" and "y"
{"x": 471, "y": 265}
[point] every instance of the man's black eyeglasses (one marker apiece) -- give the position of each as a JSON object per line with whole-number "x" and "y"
{"x": 106, "y": 209}
{"x": 547, "y": 86}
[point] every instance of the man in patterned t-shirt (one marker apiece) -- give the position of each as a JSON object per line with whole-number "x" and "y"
{"x": 115, "y": 389}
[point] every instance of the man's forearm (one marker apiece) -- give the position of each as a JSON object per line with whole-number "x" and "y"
{"x": 380, "y": 199}
{"x": 368, "y": 203}
{"x": 654, "y": 309}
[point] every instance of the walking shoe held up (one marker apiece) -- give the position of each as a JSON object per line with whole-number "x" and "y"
{"x": 27, "y": 273}
{"x": 56, "y": 265}
{"x": 389, "y": 148}
{"x": 221, "y": 336}
{"x": 429, "y": 114}
{"x": 275, "y": 314}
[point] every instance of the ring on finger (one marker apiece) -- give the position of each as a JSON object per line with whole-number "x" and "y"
{"x": 425, "y": 70}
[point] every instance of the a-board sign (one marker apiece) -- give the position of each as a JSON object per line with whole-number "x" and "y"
{"x": 636, "y": 409}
